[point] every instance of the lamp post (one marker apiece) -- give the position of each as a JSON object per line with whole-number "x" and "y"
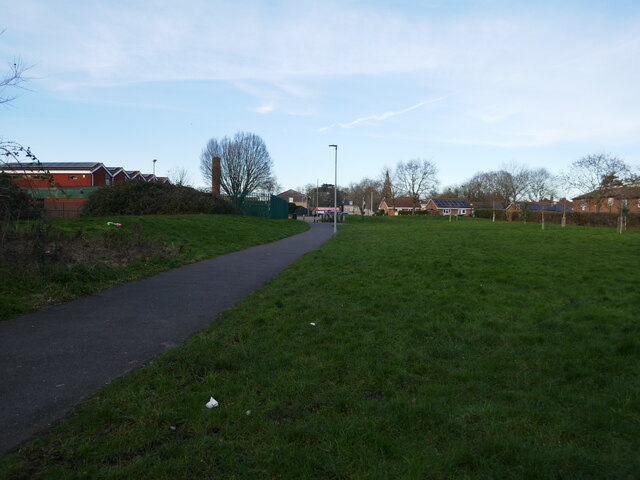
{"x": 335, "y": 192}
{"x": 154, "y": 167}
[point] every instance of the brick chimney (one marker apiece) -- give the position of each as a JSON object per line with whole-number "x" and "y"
{"x": 216, "y": 173}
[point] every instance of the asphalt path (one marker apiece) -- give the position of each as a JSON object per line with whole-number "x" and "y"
{"x": 53, "y": 359}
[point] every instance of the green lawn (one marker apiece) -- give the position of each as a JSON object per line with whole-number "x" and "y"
{"x": 77, "y": 256}
{"x": 440, "y": 350}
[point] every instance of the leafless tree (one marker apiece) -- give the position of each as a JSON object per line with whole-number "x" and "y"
{"x": 542, "y": 185}
{"x": 365, "y": 194}
{"x": 245, "y": 164}
{"x": 416, "y": 177}
{"x": 515, "y": 181}
{"x": 180, "y": 176}
{"x": 13, "y": 79}
{"x": 595, "y": 174}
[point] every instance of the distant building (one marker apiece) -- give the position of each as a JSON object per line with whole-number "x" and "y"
{"x": 609, "y": 200}
{"x": 349, "y": 207}
{"x": 392, "y": 206}
{"x": 546, "y": 206}
{"x": 295, "y": 197}
{"x": 449, "y": 206}
{"x": 62, "y": 187}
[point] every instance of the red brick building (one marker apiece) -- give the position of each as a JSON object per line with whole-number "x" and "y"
{"x": 392, "y": 206}
{"x": 63, "y": 187}
{"x": 609, "y": 200}
{"x": 449, "y": 206}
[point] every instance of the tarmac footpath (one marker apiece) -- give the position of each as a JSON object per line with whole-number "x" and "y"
{"x": 53, "y": 359}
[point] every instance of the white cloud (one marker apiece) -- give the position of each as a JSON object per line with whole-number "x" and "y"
{"x": 368, "y": 120}
{"x": 265, "y": 108}
{"x": 537, "y": 75}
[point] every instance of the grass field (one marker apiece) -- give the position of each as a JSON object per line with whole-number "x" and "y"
{"x": 440, "y": 350}
{"x": 77, "y": 256}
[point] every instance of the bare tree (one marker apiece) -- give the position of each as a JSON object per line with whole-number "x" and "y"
{"x": 180, "y": 176}
{"x": 245, "y": 164}
{"x": 13, "y": 79}
{"x": 365, "y": 193}
{"x": 416, "y": 177}
{"x": 515, "y": 181}
{"x": 542, "y": 185}
{"x": 595, "y": 174}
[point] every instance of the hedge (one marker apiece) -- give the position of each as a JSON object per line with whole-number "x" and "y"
{"x": 573, "y": 218}
{"x": 142, "y": 198}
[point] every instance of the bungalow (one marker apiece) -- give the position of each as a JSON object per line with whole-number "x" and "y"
{"x": 609, "y": 200}
{"x": 449, "y": 206}
{"x": 392, "y": 206}
{"x": 544, "y": 206}
{"x": 487, "y": 206}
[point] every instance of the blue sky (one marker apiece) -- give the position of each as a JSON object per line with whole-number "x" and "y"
{"x": 471, "y": 85}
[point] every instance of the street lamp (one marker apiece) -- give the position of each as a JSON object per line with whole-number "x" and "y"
{"x": 154, "y": 167}
{"x": 335, "y": 193}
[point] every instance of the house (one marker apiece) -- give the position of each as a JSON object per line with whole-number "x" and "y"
{"x": 609, "y": 200}
{"x": 349, "y": 207}
{"x": 295, "y": 197}
{"x": 449, "y": 206}
{"x": 487, "y": 206}
{"x": 392, "y": 206}
{"x": 543, "y": 206}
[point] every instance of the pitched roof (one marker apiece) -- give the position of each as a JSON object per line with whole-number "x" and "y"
{"x": 53, "y": 165}
{"x": 624, "y": 191}
{"x": 403, "y": 202}
{"x": 291, "y": 193}
{"x": 450, "y": 203}
{"x": 488, "y": 206}
{"x": 547, "y": 207}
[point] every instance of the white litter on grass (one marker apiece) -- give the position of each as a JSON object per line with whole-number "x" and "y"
{"x": 248, "y": 412}
{"x": 212, "y": 403}
{"x": 313, "y": 324}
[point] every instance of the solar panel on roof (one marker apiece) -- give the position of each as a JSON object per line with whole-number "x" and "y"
{"x": 452, "y": 203}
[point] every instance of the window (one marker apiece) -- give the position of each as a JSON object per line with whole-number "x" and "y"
{"x": 446, "y": 211}
{"x": 610, "y": 201}
{"x": 625, "y": 203}
{"x": 462, "y": 211}
{"x": 73, "y": 177}
{"x": 290, "y": 199}
{"x": 583, "y": 205}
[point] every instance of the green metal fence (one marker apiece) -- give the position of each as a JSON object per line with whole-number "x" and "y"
{"x": 262, "y": 205}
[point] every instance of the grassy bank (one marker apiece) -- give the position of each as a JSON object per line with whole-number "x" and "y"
{"x": 76, "y": 256}
{"x": 440, "y": 350}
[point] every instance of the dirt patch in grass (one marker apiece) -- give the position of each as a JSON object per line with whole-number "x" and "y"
{"x": 22, "y": 250}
